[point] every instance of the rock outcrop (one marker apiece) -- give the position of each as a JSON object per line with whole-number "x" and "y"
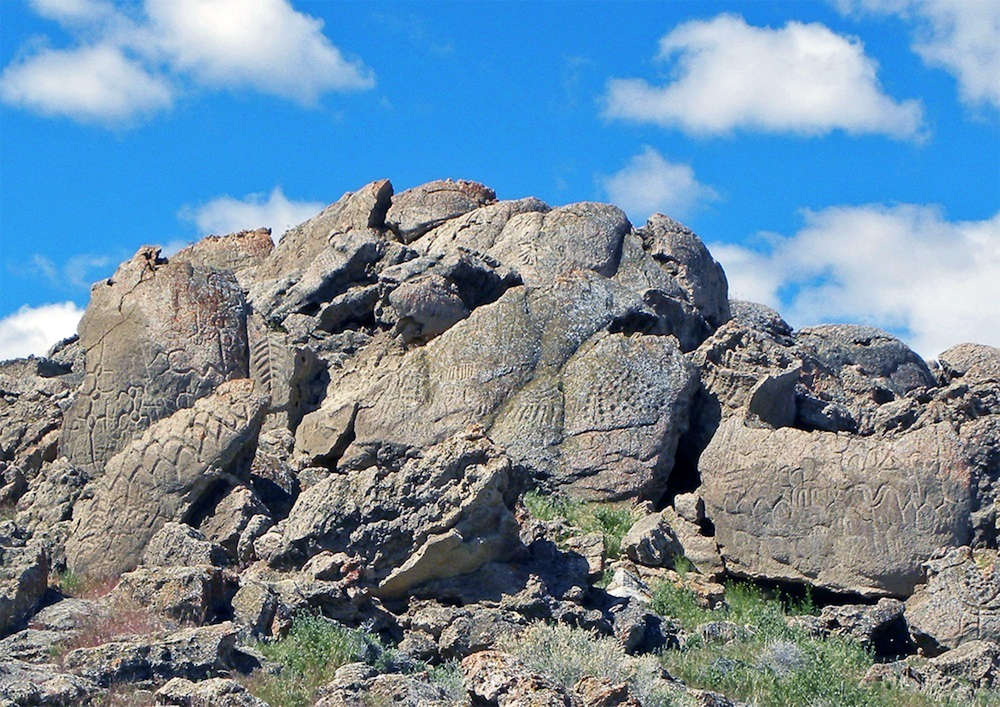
{"x": 345, "y": 422}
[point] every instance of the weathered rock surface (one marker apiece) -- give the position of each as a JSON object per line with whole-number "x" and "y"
{"x": 27, "y": 684}
{"x": 443, "y": 513}
{"x": 24, "y": 573}
{"x": 501, "y": 679}
{"x": 851, "y": 514}
{"x": 954, "y": 675}
{"x": 418, "y": 210}
{"x": 158, "y": 336}
{"x": 959, "y": 603}
{"x": 214, "y": 691}
{"x": 192, "y": 653}
{"x": 162, "y": 476}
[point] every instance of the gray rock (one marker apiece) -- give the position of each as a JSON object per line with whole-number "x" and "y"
{"x": 192, "y": 653}
{"x": 442, "y": 513}
{"x": 955, "y": 675}
{"x": 227, "y": 520}
{"x": 501, "y": 679}
{"x": 476, "y": 231}
{"x": 67, "y": 614}
{"x": 959, "y": 603}
{"x": 51, "y": 496}
{"x": 161, "y": 477}
{"x": 679, "y": 251}
{"x": 240, "y": 253}
{"x": 973, "y": 364}
{"x": 24, "y": 575}
{"x": 193, "y": 595}
{"x": 416, "y": 211}
{"x": 179, "y": 545}
{"x": 214, "y": 691}
{"x": 32, "y": 645}
{"x": 851, "y": 514}
{"x": 356, "y": 683}
{"x": 651, "y": 542}
{"x": 26, "y": 684}
{"x": 880, "y": 628}
{"x": 33, "y": 394}
{"x": 158, "y": 336}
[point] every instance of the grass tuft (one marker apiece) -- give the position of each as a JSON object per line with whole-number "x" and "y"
{"x": 611, "y": 521}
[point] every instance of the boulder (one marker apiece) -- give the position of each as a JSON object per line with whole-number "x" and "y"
{"x": 179, "y": 545}
{"x": 849, "y": 514}
{"x": 498, "y": 678}
{"x": 358, "y": 684}
{"x": 33, "y": 394}
{"x": 880, "y": 627}
{"x": 158, "y": 336}
{"x": 192, "y": 653}
{"x": 416, "y": 211}
{"x": 960, "y": 601}
{"x": 439, "y": 514}
{"x": 24, "y": 575}
{"x": 193, "y": 595}
{"x": 162, "y": 476}
{"x": 27, "y": 684}
{"x": 957, "y": 675}
{"x": 240, "y": 253}
{"x": 214, "y": 691}
{"x": 651, "y": 541}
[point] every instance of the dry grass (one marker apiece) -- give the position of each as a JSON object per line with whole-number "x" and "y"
{"x": 116, "y": 621}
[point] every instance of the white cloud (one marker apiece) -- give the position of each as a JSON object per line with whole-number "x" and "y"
{"x": 902, "y": 267}
{"x": 97, "y": 83}
{"x": 960, "y": 36}
{"x": 649, "y": 183}
{"x": 265, "y": 45}
{"x": 131, "y": 59}
{"x": 225, "y": 214}
{"x": 73, "y": 11}
{"x": 33, "y": 330}
{"x": 801, "y": 78}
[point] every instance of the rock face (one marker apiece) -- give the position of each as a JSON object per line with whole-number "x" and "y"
{"x": 438, "y": 515}
{"x": 157, "y": 336}
{"x": 162, "y": 476}
{"x": 850, "y": 514}
{"x": 959, "y": 603}
{"x": 24, "y": 573}
{"x": 345, "y": 421}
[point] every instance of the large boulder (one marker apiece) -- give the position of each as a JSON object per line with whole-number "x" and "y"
{"x": 158, "y": 336}
{"x": 163, "y": 476}
{"x": 850, "y": 514}
{"x": 442, "y": 513}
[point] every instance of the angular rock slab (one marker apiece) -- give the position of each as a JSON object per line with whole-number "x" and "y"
{"x": 416, "y": 211}
{"x": 24, "y": 574}
{"x": 960, "y": 602}
{"x": 442, "y": 513}
{"x": 850, "y": 514}
{"x": 158, "y": 336}
{"x": 161, "y": 476}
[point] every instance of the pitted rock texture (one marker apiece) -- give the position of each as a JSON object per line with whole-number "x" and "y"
{"x": 158, "y": 336}
{"x": 24, "y": 573}
{"x": 851, "y": 514}
{"x": 162, "y": 476}
{"x": 959, "y": 603}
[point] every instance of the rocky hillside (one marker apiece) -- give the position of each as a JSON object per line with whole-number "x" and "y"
{"x": 432, "y": 444}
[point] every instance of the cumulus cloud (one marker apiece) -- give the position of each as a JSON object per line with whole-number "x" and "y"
{"x": 226, "y": 214}
{"x": 265, "y": 45}
{"x": 650, "y": 183}
{"x": 959, "y": 36}
{"x": 800, "y": 78}
{"x": 33, "y": 330}
{"x": 91, "y": 84}
{"x": 904, "y": 267}
{"x": 133, "y": 59}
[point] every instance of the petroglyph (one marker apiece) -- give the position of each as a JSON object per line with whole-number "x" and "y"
{"x": 849, "y": 513}
{"x": 158, "y": 336}
{"x": 160, "y": 476}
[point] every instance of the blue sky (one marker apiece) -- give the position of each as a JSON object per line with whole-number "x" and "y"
{"x": 841, "y": 158}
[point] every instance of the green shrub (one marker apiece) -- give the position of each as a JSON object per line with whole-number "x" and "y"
{"x": 770, "y": 662}
{"x": 612, "y": 522}
{"x": 567, "y": 654}
{"x": 309, "y": 655}
{"x": 448, "y": 677}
